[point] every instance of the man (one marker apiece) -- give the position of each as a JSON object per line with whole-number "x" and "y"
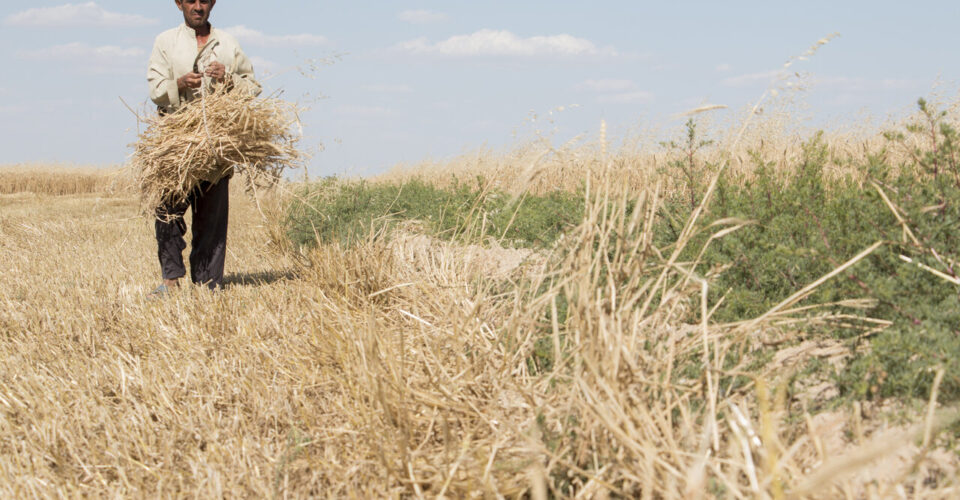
{"x": 185, "y": 59}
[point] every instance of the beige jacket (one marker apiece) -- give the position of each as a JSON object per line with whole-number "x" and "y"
{"x": 175, "y": 53}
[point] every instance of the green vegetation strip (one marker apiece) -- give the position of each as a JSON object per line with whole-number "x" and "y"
{"x": 346, "y": 212}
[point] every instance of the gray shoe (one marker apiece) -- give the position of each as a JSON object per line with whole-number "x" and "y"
{"x": 161, "y": 292}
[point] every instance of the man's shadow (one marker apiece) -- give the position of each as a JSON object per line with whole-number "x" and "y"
{"x": 260, "y": 278}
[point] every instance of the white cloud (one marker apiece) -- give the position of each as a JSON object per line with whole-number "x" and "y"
{"x": 504, "y": 43}
{"x": 724, "y": 68}
{"x": 863, "y": 84}
{"x": 384, "y": 88}
{"x": 421, "y": 16}
{"x": 837, "y": 83}
{"x": 364, "y": 111}
{"x": 902, "y": 83}
{"x": 261, "y": 65}
{"x": 762, "y": 77}
{"x": 614, "y": 91}
{"x": 634, "y": 97}
{"x": 82, "y": 14}
{"x": 79, "y": 56}
{"x": 254, "y": 37}
{"x": 607, "y": 85}
{"x": 842, "y": 82}
{"x": 14, "y": 109}
{"x": 83, "y": 53}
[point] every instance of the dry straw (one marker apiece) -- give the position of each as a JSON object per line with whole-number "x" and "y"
{"x": 224, "y": 132}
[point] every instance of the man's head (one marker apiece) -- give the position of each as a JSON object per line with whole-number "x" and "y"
{"x": 196, "y": 13}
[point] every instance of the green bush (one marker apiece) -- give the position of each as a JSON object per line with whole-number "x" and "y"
{"x": 807, "y": 225}
{"x": 345, "y": 211}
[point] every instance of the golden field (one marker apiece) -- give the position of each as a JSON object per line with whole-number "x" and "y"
{"x": 399, "y": 369}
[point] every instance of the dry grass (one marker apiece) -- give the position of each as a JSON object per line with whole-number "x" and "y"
{"x": 401, "y": 368}
{"x": 641, "y": 160}
{"x": 61, "y": 180}
{"x": 223, "y": 132}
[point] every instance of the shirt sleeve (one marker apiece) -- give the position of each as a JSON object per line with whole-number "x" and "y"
{"x": 163, "y": 85}
{"x": 242, "y": 74}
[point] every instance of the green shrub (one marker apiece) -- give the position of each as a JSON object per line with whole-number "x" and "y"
{"x": 345, "y": 211}
{"x": 807, "y": 225}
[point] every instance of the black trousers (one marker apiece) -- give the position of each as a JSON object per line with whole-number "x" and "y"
{"x": 210, "y": 204}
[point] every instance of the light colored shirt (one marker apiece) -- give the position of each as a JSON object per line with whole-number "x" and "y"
{"x": 175, "y": 53}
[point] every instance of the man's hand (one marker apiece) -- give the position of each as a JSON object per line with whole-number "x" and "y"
{"x": 190, "y": 81}
{"x": 216, "y": 71}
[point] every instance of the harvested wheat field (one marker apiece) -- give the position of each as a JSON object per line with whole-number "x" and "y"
{"x": 410, "y": 364}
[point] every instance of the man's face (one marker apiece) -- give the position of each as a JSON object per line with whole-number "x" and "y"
{"x": 196, "y": 12}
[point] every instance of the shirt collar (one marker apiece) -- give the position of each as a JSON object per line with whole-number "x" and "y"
{"x": 192, "y": 32}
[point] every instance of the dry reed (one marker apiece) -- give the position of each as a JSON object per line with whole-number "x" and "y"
{"x": 224, "y": 132}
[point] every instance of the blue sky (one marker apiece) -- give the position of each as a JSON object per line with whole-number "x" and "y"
{"x": 415, "y": 80}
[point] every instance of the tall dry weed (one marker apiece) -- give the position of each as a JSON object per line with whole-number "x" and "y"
{"x": 774, "y": 138}
{"x": 647, "y": 396}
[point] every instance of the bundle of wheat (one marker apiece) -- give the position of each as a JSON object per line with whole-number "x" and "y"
{"x": 224, "y": 132}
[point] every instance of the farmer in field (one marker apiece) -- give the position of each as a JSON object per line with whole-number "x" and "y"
{"x": 184, "y": 60}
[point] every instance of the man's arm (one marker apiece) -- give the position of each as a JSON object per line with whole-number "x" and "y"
{"x": 164, "y": 91}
